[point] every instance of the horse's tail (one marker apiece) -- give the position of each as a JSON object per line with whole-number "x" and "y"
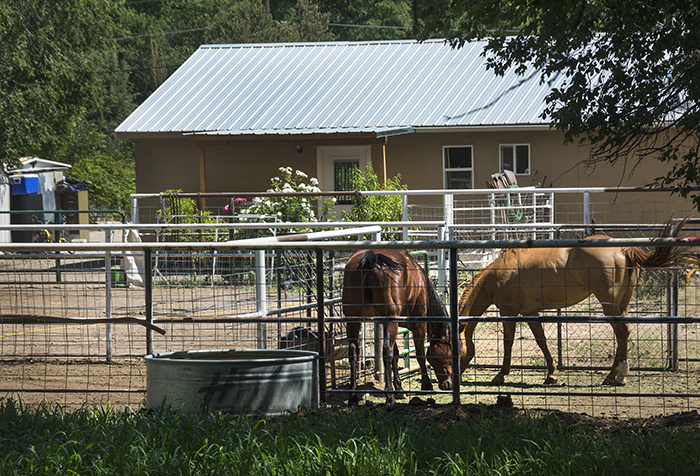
{"x": 661, "y": 256}
{"x": 371, "y": 280}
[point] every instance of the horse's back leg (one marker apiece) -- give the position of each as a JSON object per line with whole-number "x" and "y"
{"x": 391, "y": 358}
{"x": 354, "y": 357}
{"x": 538, "y": 332}
{"x": 620, "y": 367}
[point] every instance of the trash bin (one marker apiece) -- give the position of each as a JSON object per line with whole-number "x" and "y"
{"x": 24, "y": 195}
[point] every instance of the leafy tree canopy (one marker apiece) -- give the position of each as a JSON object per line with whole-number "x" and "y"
{"x": 245, "y": 21}
{"x": 51, "y": 59}
{"x": 632, "y": 71}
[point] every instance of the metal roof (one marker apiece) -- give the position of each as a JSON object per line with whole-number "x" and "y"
{"x": 337, "y": 87}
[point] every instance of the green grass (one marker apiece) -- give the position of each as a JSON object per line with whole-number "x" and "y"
{"x": 47, "y": 440}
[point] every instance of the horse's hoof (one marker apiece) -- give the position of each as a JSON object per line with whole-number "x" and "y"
{"x": 498, "y": 380}
{"x": 551, "y": 380}
{"x": 426, "y": 386}
{"x": 613, "y": 382}
{"x": 353, "y": 399}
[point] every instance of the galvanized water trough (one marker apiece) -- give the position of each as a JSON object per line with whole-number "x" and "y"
{"x": 233, "y": 381}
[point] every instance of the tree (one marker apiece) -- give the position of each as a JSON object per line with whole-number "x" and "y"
{"x": 631, "y": 69}
{"x": 246, "y": 21}
{"x": 379, "y": 19}
{"x": 51, "y": 60}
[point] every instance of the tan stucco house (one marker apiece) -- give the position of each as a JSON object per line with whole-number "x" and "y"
{"x": 231, "y": 115}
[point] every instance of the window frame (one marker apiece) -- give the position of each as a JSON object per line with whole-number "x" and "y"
{"x": 344, "y": 199}
{"x": 515, "y": 167}
{"x": 445, "y": 170}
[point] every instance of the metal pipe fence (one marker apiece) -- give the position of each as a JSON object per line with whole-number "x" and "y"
{"x": 76, "y": 325}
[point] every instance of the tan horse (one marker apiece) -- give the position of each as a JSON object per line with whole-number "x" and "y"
{"x": 389, "y": 283}
{"x": 526, "y": 281}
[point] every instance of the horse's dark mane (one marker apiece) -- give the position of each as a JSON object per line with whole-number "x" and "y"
{"x": 436, "y": 329}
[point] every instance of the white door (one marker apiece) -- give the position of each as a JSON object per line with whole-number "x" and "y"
{"x": 334, "y": 164}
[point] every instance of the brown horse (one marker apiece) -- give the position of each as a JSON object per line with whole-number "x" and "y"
{"x": 389, "y": 283}
{"x": 526, "y": 281}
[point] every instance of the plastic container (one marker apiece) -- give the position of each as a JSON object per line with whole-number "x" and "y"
{"x": 24, "y": 184}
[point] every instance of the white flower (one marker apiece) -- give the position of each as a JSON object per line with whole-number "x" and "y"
{"x": 314, "y": 181}
{"x": 299, "y": 173}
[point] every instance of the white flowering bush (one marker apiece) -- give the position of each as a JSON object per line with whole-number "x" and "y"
{"x": 292, "y": 208}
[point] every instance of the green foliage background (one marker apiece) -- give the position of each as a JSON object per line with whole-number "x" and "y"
{"x": 71, "y": 71}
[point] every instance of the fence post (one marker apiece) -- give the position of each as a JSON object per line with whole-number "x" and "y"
{"x": 441, "y": 262}
{"x": 134, "y": 210}
{"x": 492, "y": 214}
{"x": 108, "y": 296}
{"x": 587, "y": 210}
{"x": 321, "y": 326}
{"x": 404, "y": 214}
{"x": 260, "y": 295}
{"x": 148, "y": 287}
{"x": 448, "y": 209}
{"x": 454, "y": 327}
{"x": 673, "y": 327}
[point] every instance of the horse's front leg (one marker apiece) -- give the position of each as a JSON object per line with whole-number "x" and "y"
{"x": 508, "y": 338}
{"x": 620, "y": 367}
{"x": 538, "y": 332}
{"x": 468, "y": 349}
{"x": 419, "y": 342}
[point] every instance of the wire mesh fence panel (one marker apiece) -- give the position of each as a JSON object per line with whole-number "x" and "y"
{"x": 239, "y": 299}
{"x": 51, "y": 348}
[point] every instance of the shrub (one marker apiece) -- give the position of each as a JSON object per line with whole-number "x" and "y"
{"x": 291, "y": 208}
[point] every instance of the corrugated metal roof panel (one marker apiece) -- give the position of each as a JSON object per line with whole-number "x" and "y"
{"x": 332, "y": 87}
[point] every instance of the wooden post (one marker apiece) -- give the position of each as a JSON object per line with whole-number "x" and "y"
{"x": 382, "y": 172}
{"x": 202, "y": 176}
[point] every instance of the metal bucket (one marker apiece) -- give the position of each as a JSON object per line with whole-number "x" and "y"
{"x": 233, "y": 381}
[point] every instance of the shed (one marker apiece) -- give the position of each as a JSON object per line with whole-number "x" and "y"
{"x": 50, "y": 173}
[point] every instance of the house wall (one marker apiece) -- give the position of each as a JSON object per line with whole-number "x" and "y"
{"x": 418, "y": 157}
{"x": 173, "y": 163}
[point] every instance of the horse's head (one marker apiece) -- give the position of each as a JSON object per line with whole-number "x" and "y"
{"x": 440, "y": 355}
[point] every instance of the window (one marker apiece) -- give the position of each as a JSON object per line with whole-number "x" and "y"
{"x": 457, "y": 163}
{"x": 342, "y": 174}
{"x": 516, "y": 157}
